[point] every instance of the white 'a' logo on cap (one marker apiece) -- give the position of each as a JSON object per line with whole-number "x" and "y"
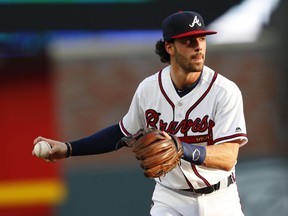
{"x": 195, "y": 21}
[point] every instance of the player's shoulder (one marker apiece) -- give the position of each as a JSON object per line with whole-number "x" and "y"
{"x": 153, "y": 79}
{"x": 220, "y": 82}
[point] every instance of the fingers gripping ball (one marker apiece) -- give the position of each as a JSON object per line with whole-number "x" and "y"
{"x": 157, "y": 152}
{"x": 41, "y": 149}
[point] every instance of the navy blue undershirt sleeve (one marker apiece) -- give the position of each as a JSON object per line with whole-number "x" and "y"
{"x": 106, "y": 140}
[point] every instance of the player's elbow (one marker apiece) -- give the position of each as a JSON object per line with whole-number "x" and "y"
{"x": 230, "y": 158}
{"x": 228, "y": 165}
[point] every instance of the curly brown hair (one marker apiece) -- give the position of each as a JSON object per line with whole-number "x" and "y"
{"x": 161, "y": 51}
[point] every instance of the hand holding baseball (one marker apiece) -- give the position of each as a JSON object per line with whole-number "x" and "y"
{"x": 41, "y": 149}
{"x": 49, "y": 150}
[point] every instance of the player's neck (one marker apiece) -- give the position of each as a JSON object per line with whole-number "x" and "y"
{"x": 183, "y": 79}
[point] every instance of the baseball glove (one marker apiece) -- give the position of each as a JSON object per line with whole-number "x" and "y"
{"x": 158, "y": 152}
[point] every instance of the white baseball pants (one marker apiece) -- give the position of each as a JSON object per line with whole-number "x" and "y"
{"x": 224, "y": 202}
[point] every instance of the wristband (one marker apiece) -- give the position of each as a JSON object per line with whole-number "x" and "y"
{"x": 193, "y": 153}
{"x": 69, "y": 149}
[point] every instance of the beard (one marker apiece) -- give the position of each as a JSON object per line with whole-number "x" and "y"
{"x": 190, "y": 64}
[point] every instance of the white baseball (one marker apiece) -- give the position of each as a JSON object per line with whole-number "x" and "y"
{"x": 41, "y": 149}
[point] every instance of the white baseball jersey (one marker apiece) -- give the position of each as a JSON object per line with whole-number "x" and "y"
{"x": 212, "y": 113}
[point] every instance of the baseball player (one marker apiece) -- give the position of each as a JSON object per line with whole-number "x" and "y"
{"x": 196, "y": 104}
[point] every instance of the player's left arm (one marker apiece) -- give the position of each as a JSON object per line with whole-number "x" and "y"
{"x": 229, "y": 119}
{"x": 222, "y": 156}
{"x": 229, "y": 122}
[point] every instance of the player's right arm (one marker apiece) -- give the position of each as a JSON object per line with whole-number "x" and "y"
{"x": 106, "y": 140}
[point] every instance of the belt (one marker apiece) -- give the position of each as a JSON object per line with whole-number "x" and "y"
{"x": 212, "y": 188}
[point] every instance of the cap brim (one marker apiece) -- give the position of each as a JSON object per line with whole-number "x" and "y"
{"x": 194, "y": 33}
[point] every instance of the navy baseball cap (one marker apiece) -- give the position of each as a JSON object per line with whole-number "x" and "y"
{"x": 183, "y": 24}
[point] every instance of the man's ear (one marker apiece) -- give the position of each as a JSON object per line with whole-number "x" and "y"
{"x": 169, "y": 48}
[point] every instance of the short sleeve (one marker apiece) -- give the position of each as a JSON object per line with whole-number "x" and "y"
{"x": 229, "y": 117}
{"x": 133, "y": 120}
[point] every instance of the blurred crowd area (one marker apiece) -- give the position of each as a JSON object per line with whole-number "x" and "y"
{"x": 80, "y": 82}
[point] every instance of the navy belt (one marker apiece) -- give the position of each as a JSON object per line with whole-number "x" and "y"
{"x": 212, "y": 188}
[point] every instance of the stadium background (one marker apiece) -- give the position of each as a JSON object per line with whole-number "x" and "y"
{"x": 70, "y": 68}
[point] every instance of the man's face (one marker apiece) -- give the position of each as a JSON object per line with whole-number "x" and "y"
{"x": 189, "y": 53}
